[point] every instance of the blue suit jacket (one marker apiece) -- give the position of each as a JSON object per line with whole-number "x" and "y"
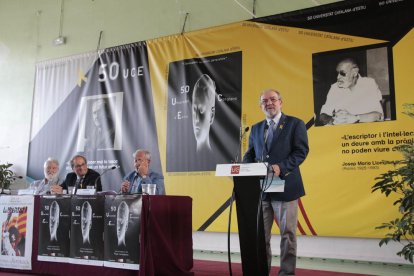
{"x": 289, "y": 149}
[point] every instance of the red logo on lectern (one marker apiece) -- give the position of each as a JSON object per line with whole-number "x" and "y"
{"x": 235, "y": 169}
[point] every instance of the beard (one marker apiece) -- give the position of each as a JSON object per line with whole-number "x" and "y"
{"x": 52, "y": 178}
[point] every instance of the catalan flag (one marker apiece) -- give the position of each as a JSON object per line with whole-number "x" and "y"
{"x": 22, "y": 221}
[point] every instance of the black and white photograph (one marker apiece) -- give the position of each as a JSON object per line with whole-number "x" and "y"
{"x": 54, "y": 228}
{"x": 353, "y": 86}
{"x": 100, "y": 122}
{"x": 122, "y": 231}
{"x": 204, "y": 111}
{"x": 86, "y": 243}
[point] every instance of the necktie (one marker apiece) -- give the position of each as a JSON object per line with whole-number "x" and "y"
{"x": 79, "y": 183}
{"x": 270, "y": 134}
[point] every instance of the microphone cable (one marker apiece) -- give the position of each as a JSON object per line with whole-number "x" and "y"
{"x": 147, "y": 226}
{"x": 228, "y": 232}
{"x": 259, "y": 208}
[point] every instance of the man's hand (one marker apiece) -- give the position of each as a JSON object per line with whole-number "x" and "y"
{"x": 276, "y": 169}
{"x": 56, "y": 190}
{"x": 125, "y": 186}
{"x": 143, "y": 168}
{"x": 344, "y": 117}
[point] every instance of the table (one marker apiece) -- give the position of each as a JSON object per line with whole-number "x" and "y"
{"x": 166, "y": 229}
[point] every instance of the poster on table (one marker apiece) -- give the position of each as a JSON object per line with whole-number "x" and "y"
{"x": 16, "y": 218}
{"x": 122, "y": 231}
{"x": 54, "y": 228}
{"x": 86, "y": 242}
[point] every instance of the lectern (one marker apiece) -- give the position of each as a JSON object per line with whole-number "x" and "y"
{"x": 246, "y": 178}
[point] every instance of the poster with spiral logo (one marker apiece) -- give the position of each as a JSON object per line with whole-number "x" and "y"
{"x": 86, "y": 243}
{"x": 54, "y": 229}
{"x": 122, "y": 231}
{"x": 16, "y": 218}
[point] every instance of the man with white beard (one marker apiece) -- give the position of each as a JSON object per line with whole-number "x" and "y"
{"x": 49, "y": 184}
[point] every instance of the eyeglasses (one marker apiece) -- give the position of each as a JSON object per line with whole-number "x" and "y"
{"x": 272, "y": 100}
{"x": 342, "y": 73}
{"x": 79, "y": 166}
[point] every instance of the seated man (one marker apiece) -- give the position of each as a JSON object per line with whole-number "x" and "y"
{"x": 45, "y": 185}
{"x": 352, "y": 98}
{"x": 142, "y": 175}
{"x": 82, "y": 177}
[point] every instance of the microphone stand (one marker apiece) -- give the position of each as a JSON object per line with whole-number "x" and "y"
{"x": 106, "y": 170}
{"x": 236, "y": 159}
{"x": 263, "y": 184}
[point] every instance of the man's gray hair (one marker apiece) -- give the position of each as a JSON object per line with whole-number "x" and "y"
{"x": 51, "y": 160}
{"x": 279, "y": 95}
{"x": 146, "y": 152}
{"x": 351, "y": 61}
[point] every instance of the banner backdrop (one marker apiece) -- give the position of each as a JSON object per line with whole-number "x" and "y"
{"x": 158, "y": 95}
{"x": 16, "y": 218}
{"x": 107, "y": 112}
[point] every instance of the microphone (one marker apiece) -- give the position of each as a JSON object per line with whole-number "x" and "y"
{"x": 246, "y": 129}
{"x": 106, "y": 170}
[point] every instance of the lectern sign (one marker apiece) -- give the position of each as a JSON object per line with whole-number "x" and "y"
{"x": 235, "y": 169}
{"x": 242, "y": 169}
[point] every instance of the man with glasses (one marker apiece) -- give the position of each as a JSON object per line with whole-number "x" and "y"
{"x": 142, "y": 175}
{"x": 282, "y": 142}
{"x": 82, "y": 177}
{"x": 352, "y": 99}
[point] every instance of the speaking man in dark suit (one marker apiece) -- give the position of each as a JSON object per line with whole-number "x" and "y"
{"x": 82, "y": 177}
{"x": 282, "y": 141}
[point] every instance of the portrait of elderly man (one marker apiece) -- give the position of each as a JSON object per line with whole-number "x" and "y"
{"x": 54, "y": 220}
{"x": 50, "y": 183}
{"x": 86, "y": 221}
{"x": 102, "y": 134}
{"x": 352, "y": 98}
{"x": 203, "y": 111}
{"x": 122, "y": 220}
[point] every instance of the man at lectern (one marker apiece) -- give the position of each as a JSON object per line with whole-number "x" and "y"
{"x": 142, "y": 175}
{"x": 282, "y": 142}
